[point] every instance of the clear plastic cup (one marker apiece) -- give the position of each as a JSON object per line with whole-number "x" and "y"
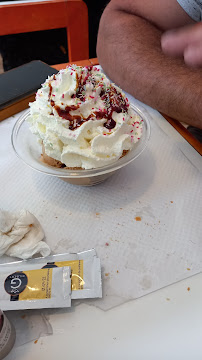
{"x": 29, "y": 150}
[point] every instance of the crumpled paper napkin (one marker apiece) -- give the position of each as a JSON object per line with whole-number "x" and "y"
{"x": 21, "y": 235}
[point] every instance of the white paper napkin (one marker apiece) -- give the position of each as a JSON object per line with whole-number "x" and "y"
{"x": 29, "y": 325}
{"x": 21, "y": 235}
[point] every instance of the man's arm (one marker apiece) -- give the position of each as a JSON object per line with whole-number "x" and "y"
{"x": 129, "y": 50}
{"x": 186, "y": 42}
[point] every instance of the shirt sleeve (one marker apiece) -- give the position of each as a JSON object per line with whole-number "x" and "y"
{"x": 193, "y": 8}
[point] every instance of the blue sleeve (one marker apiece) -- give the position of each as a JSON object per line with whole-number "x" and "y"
{"x": 193, "y": 8}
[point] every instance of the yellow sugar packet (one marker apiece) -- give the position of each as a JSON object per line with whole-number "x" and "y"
{"x": 35, "y": 289}
{"x": 85, "y": 271}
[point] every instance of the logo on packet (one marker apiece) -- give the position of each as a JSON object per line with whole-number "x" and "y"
{"x": 15, "y": 283}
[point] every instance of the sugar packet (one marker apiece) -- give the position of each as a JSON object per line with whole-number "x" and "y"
{"x": 35, "y": 289}
{"x": 85, "y": 267}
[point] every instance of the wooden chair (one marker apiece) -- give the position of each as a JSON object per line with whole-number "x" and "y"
{"x": 45, "y": 15}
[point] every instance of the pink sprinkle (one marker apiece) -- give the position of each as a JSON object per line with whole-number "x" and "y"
{"x": 138, "y": 138}
{"x": 63, "y": 96}
{"x": 131, "y": 131}
{"x": 53, "y": 94}
{"x": 71, "y": 73}
{"x": 92, "y": 97}
{"x": 137, "y": 127}
{"x": 107, "y": 244}
{"x": 104, "y": 134}
{"x": 123, "y": 119}
{"x": 132, "y": 137}
{"x": 92, "y": 108}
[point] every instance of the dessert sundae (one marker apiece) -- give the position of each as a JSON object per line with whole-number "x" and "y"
{"x": 82, "y": 120}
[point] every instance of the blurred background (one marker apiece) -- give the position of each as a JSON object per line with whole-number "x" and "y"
{"x": 49, "y": 46}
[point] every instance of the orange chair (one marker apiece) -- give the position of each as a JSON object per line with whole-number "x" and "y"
{"x": 46, "y": 15}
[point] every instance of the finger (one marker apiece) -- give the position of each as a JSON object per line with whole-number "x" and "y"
{"x": 193, "y": 54}
{"x": 174, "y": 42}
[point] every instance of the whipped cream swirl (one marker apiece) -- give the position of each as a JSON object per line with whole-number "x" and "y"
{"x": 82, "y": 119}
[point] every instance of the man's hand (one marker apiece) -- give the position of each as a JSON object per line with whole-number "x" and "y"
{"x": 186, "y": 42}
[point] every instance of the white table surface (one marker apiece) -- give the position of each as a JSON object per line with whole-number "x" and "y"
{"x": 166, "y": 324}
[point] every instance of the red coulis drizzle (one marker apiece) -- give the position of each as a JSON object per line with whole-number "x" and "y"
{"x": 115, "y": 102}
{"x": 112, "y": 98}
{"x": 49, "y": 95}
{"x": 74, "y": 120}
{"x": 81, "y": 84}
